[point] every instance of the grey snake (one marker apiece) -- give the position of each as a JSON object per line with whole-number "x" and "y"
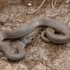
{"x": 32, "y": 29}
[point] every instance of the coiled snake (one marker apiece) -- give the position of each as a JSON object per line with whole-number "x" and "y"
{"x": 32, "y": 29}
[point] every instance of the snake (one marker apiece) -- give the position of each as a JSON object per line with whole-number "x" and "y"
{"x": 60, "y": 39}
{"x": 32, "y": 28}
{"x": 20, "y": 46}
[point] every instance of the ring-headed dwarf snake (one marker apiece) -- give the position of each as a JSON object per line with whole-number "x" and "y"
{"x": 30, "y": 31}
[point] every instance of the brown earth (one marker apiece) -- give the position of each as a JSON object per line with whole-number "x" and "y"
{"x": 40, "y": 55}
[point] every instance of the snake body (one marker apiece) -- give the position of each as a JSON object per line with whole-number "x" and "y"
{"x": 32, "y": 25}
{"x": 8, "y": 53}
{"x": 28, "y": 29}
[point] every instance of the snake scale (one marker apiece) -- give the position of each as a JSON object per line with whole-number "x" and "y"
{"x": 32, "y": 29}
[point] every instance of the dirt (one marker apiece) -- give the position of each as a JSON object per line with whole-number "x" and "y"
{"x": 40, "y": 55}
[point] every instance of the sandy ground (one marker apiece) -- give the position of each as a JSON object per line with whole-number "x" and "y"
{"x": 40, "y": 55}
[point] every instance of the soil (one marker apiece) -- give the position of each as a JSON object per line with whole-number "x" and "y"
{"x": 40, "y": 55}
